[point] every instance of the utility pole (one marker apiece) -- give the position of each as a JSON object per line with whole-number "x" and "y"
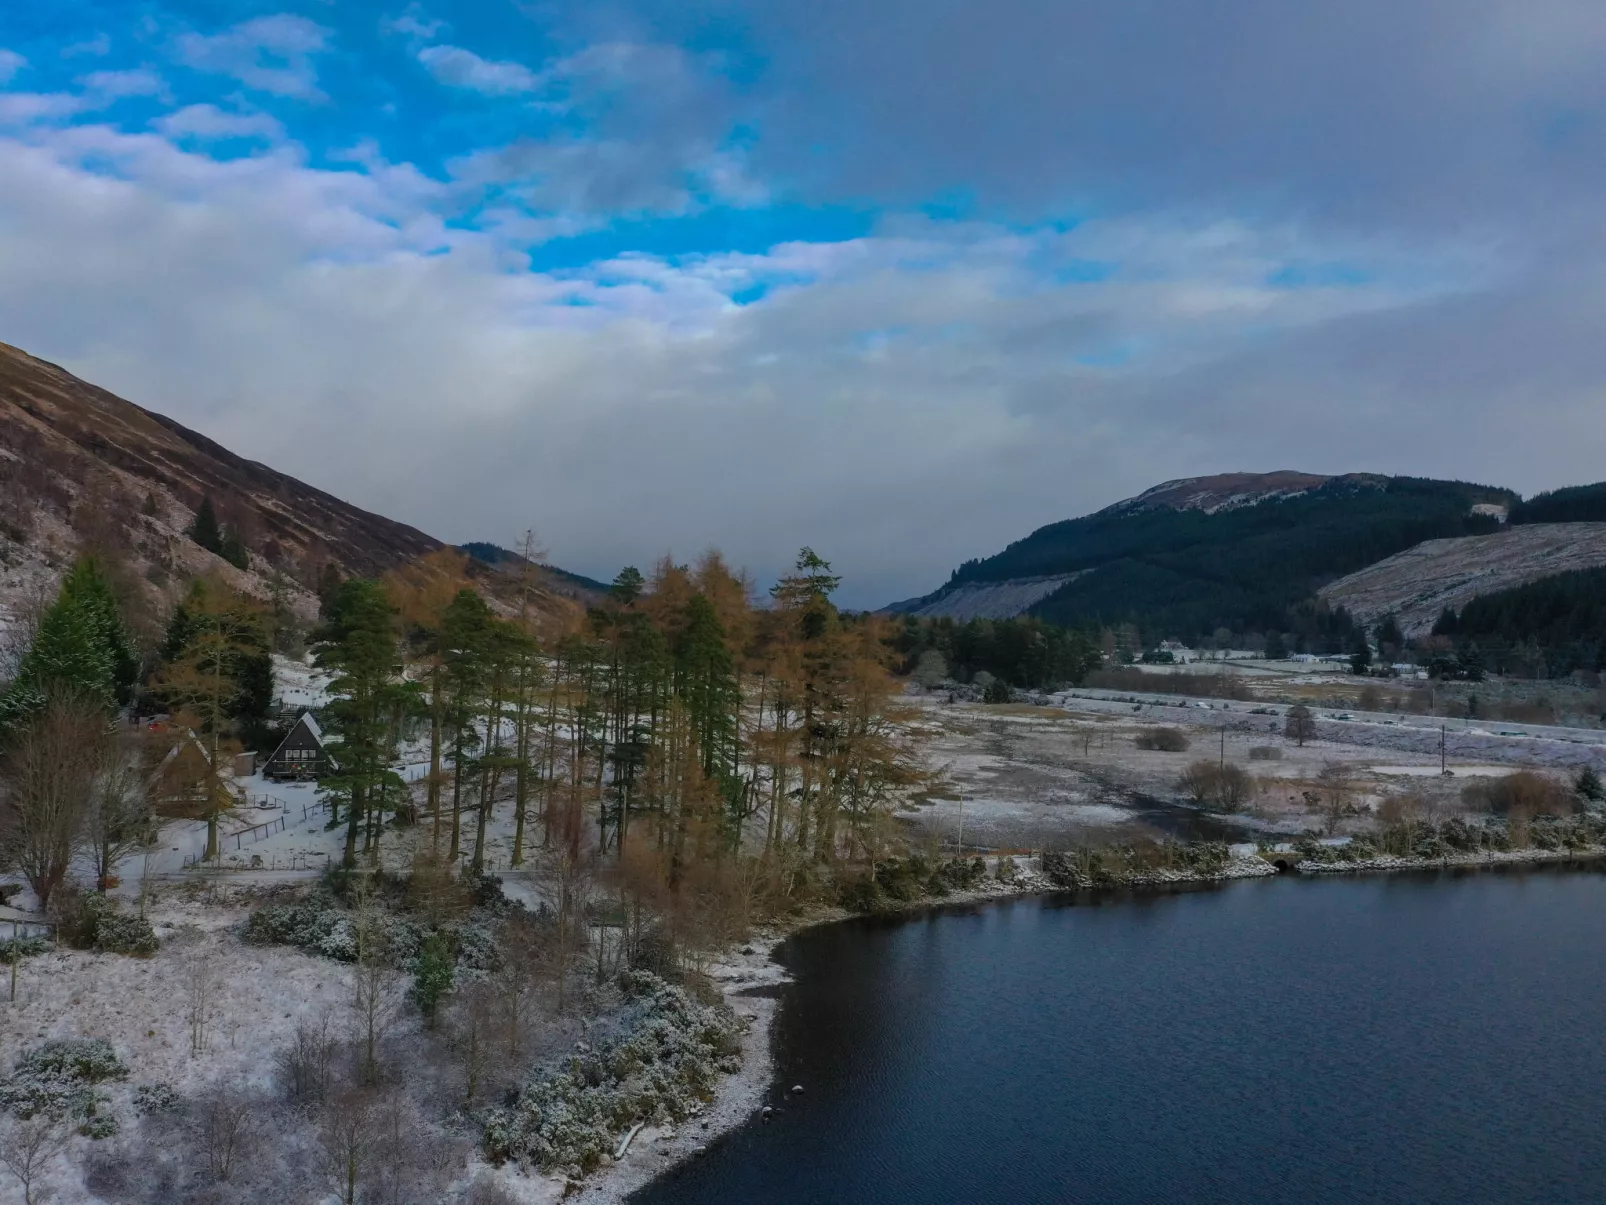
{"x": 961, "y": 826}
{"x": 1442, "y": 766}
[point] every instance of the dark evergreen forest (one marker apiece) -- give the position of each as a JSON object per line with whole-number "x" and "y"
{"x": 1575, "y": 504}
{"x": 1546, "y": 628}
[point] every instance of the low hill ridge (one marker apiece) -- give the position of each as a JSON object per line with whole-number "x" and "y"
{"x": 1240, "y": 551}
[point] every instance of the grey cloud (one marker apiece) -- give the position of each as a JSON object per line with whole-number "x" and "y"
{"x": 1423, "y": 110}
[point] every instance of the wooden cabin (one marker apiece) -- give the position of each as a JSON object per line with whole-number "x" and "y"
{"x": 302, "y": 756}
{"x": 183, "y": 783}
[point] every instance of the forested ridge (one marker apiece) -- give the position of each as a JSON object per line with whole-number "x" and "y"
{"x": 1186, "y": 573}
{"x": 1574, "y": 504}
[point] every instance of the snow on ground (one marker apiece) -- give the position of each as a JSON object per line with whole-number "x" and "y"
{"x": 1459, "y": 769}
{"x": 297, "y": 684}
{"x": 140, "y": 1005}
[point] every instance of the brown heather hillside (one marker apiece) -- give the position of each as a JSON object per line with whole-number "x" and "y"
{"x": 83, "y": 469}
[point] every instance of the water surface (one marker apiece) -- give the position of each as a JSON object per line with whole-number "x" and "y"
{"x": 1425, "y": 1038}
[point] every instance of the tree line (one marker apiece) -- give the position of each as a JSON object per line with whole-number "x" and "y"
{"x": 1026, "y": 653}
{"x": 1547, "y": 628}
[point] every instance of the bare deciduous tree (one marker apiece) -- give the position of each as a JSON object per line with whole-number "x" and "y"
{"x": 48, "y": 775}
{"x": 224, "y": 1133}
{"x": 473, "y": 1015}
{"x": 1336, "y": 790}
{"x": 200, "y": 986}
{"x": 348, "y": 1137}
{"x": 118, "y": 820}
{"x": 525, "y": 949}
{"x": 377, "y": 995}
{"x": 307, "y": 1066}
{"x": 26, "y": 1149}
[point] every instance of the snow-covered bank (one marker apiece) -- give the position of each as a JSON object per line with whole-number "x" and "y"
{"x": 738, "y": 1097}
{"x": 1486, "y": 859}
{"x": 741, "y": 1096}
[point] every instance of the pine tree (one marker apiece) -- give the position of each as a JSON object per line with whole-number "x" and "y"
{"x": 627, "y": 587}
{"x": 81, "y": 649}
{"x": 232, "y": 549}
{"x": 205, "y": 531}
{"x": 361, "y": 644}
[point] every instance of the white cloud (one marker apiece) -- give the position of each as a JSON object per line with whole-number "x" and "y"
{"x": 208, "y": 123}
{"x": 10, "y": 63}
{"x": 460, "y": 68}
{"x": 413, "y": 23}
{"x": 271, "y": 54}
{"x": 26, "y": 108}
{"x": 115, "y": 85}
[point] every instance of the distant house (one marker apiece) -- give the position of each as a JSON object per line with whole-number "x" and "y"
{"x": 302, "y": 755}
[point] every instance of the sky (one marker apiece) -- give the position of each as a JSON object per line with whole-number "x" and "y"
{"x": 900, "y": 281}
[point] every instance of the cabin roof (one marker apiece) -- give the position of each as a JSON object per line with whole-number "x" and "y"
{"x": 309, "y": 722}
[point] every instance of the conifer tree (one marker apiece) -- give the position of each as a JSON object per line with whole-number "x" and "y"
{"x": 232, "y": 549}
{"x": 205, "y": 530}
{"x": 81, "y": 648}
{"x": 360, "y": 642}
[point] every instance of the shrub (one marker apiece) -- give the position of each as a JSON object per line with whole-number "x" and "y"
{"x": 1588, "y": 785}
{"x": 1524, "y": 792}
{"x": 662, "y": 1069}
{"x": 1225, "y": 788}
{"x": 160, "y": 1097}
{"x": 1265, "y": 753}
{"x": 57, "y": 1079}
{"x": 94, "y": 922}
{"x": 22, "y": 947}
{"x": 996, "y": 691}
{"x": 1164, "y": 740}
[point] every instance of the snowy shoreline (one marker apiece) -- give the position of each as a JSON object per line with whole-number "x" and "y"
{"x": 1485, "y": 860}
{"x": 657, "y": 1151}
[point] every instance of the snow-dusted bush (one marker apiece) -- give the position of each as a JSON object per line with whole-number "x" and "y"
{"x": 160, "y": 1097}
{"x": 57, "y": 1079}
{"x": 23, "y": 947}
{"x": 122, "y": 933}
{"x": 661, "y": 1068}
{"x": 322, "y": 926}
{"x": 93, "y": 922}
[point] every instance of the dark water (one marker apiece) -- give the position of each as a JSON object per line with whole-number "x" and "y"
{"x": 1414, "y": 1039}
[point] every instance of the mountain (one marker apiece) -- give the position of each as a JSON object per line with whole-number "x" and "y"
{"x": 1241, "y": 551}
{"x": 83, "y": 469}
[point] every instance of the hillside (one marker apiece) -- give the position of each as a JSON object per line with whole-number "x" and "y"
{"x": 1239, "y": 551}
{"x": 1418, "y": 584}
{"x": 81, "y": 468}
